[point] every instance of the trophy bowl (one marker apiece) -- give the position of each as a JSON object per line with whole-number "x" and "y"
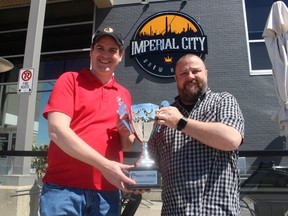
{"x": 145, "y": 172}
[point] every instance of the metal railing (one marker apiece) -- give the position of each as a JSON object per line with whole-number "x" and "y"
{"x": 255, "y": 199}
{"x": 243, "y": 153}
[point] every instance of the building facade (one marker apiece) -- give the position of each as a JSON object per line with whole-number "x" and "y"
{"x": 237, "y": 60}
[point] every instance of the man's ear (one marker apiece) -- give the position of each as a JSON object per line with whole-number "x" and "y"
{"x": 121, "y": 54}
{"x": 91, "y": 49}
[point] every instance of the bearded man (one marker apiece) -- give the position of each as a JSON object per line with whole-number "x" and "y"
{"x": 196, "y": 147}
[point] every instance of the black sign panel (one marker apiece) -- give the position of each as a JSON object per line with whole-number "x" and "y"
{"x": 163, "y": 38}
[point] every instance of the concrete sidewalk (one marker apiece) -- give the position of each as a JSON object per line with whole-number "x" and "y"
{"x": 149, "y": 208}
{"x": 151, "y": 204}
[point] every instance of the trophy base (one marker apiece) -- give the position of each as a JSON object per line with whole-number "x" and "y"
{"x": 145, "y": 177}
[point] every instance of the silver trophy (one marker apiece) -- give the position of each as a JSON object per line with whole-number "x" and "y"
{"x": 145, "y": 172}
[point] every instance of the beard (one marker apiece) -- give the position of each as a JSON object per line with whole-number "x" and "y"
{"x": 191, "y": 91}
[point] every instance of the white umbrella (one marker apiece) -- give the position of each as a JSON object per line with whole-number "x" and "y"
{"x": 276, "y": 39}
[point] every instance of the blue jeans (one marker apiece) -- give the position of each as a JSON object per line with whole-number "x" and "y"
{"x": 56, "y": 200}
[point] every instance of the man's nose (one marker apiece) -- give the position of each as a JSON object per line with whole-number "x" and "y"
{"x": 191, "y": 75}
{"x": 105, "y": 52}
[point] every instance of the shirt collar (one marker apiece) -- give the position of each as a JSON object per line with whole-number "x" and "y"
{"x": 87, "y": 73}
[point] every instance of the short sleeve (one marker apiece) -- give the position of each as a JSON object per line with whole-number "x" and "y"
{"x": 62, "y": 96}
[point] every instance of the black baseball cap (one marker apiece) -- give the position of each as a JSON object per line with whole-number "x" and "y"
{"x": 110, "y": 32}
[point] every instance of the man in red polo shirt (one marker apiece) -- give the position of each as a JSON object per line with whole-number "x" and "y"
{"x": 85, "y": 170}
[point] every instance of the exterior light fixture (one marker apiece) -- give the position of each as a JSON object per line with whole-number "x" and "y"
{"x": 5, "y": 65}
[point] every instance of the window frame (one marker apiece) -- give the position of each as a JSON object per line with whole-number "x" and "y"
{"x": 253, "y": 72}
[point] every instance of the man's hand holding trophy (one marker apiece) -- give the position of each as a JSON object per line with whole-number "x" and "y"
{"x": 145, "y": 172}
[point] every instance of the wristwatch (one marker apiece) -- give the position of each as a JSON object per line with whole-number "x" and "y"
{"x": 181, "y": 123}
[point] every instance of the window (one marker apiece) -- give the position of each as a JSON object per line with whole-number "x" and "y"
{"x": 257, "y": 12}
{"x": 68, "y": 28}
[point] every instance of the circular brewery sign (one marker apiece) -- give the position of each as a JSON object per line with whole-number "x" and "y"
{"x": 163, "y": 38}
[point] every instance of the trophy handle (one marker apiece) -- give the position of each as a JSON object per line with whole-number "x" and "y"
{"x": 122, "y": 111}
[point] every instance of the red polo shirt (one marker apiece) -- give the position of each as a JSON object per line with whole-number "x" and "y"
{"x": 92, "y": 107}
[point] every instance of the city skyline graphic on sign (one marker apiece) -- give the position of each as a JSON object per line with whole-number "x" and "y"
{"x": 167, "y": 24}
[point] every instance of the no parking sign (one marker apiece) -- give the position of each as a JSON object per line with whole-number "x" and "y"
{"x": 25, "y": 80}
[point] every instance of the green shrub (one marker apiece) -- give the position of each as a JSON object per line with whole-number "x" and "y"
{"x": 39, "y": 163}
